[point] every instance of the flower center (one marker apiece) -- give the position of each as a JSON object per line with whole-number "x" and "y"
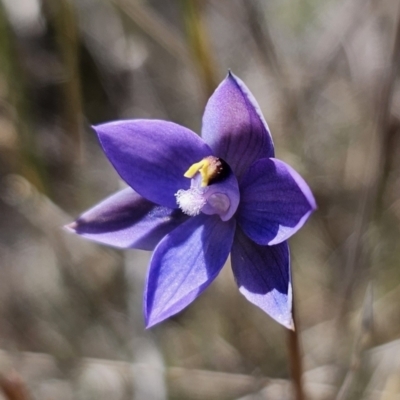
{"x": 213, "y": 189}
{"x": 211, "y": 169}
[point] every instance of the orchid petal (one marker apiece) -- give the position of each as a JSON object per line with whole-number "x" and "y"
{"x": 152, "y": 156}
{"x": 184, "y": 263}
{"x": 234, "y": 127}
{"x": 127, "y": 220}
{"x": 263, "y": 276}
{"x": 275, "y": 202}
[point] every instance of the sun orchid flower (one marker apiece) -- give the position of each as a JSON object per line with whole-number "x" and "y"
{"x": 193, "y": 200}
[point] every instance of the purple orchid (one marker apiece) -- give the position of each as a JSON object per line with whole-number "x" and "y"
{"x": 195, "y": 200}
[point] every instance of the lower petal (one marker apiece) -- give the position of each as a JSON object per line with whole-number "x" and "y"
{"x": 127, "y": 220}
{"x": 263, "y": 276}
{"x": 184, "y": 263}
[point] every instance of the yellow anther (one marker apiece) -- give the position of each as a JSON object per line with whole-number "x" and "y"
{"x": 203, "y": 167}
{"x": 192, "y": 171}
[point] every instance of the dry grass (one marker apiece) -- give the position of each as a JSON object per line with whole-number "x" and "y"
{"x": 326, "y": 76}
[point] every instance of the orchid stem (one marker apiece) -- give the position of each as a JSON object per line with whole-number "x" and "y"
{"x": 296, "y": 365}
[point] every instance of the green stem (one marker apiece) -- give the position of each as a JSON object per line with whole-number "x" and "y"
{"x": 200, "y": 45}
{"x": 67, "y": 36}
{"x": 24, "y": 159}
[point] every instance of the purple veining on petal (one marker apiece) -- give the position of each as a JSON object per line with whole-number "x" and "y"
{"x": 127, "y": 220}
{"x": 234, "y": 127}
{"x": 263, "y": 276}
{"x": 152, "y": 156}
{"x": 184, "y": 263}
{"x": 275, "y": 202}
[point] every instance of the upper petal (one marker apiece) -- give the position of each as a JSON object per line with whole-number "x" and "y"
{"x": 234, "y": 126}
{"x": 152, "y": 156}
{"x": 184, "y": 263}
{"x": 263, "y": 276}
{"x": 275, "y": 202}
{"x": 127, "y": 220}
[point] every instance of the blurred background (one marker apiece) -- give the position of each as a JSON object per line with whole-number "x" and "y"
{"x": 325, "y": 73}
